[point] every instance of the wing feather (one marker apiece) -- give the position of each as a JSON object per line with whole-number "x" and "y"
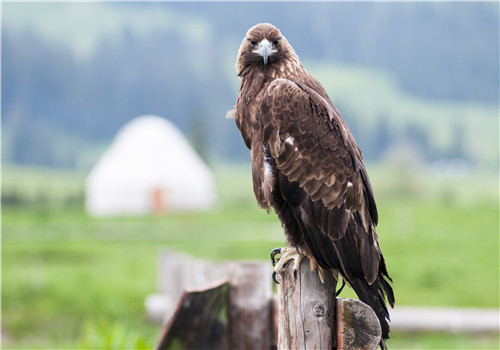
{"x": 323, "y": 157}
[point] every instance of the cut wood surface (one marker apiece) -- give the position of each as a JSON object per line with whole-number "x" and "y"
{"x": 357, "y": 326}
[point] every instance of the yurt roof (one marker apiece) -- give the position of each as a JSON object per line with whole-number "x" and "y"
{"x": 149, "y": 151}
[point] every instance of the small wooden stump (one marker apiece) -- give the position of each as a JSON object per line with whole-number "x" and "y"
{"x": 357, "y": 326}
{"x": 310, "y": 317}
{"x": 197, "y": 322}
{"x": 250, "y": 305}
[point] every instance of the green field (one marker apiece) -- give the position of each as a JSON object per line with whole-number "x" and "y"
{"x": 71, "y": 281}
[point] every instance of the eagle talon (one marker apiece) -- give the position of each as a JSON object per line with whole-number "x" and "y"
{"x": 275, "y": 252}
{"x": 274, "y": 277}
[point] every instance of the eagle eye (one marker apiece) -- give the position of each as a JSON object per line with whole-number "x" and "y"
{"x": 253, "y": 42}
{"x": 276, "y": 42}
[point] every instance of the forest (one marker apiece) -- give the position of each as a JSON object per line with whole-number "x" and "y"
{"x": 73, "y": 74}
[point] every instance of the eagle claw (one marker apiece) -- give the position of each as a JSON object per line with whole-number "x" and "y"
{"x": 274, "y": 277}
{"x": 275, "y": 252}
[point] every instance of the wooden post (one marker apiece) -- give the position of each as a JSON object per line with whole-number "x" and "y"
{"x": 250, "y": 304}
{"x": 310, "y": 317}
{"x": 306, "y": 309}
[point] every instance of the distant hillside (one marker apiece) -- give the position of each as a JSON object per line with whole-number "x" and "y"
{"x": 439, "y": 50}
{"x": 73, "y": 73}
{"x": 382, "y": 116}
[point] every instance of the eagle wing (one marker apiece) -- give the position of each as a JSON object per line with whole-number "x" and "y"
{"x": 312, "y": 146}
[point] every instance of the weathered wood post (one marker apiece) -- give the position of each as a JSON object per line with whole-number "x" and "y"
{"x": 306, "y": 309}
{"x": 250, "y": 305}
{"x": 310, "y": 317}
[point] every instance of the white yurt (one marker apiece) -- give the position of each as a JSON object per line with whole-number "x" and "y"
{"x": 149, "y": 168}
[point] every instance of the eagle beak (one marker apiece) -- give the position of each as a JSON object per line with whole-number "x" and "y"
{"x": 264, "y": 49}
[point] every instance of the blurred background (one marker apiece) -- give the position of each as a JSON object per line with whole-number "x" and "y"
{"x": 417, "y": 83}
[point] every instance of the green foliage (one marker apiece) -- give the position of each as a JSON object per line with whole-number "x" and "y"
{"x": 104, "y": 334}
{"x": 71, "y": 281}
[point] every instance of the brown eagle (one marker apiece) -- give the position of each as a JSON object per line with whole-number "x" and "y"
{"x": 306, "y": 165}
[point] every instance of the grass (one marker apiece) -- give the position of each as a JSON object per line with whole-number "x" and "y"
{"x": 59, "y": 289}
{"x": 71, "y": 281}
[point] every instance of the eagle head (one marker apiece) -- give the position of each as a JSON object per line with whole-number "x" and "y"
{"x": 263, "y": 46}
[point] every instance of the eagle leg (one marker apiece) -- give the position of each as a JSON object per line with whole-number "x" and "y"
{"x": 287, "y": 254}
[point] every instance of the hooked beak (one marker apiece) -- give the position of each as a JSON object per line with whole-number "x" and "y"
{"x": 265, "y": 50}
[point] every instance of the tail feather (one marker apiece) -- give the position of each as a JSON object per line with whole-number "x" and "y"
{"x": 353, "y": 254}
{"x": 374, "y": 295}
